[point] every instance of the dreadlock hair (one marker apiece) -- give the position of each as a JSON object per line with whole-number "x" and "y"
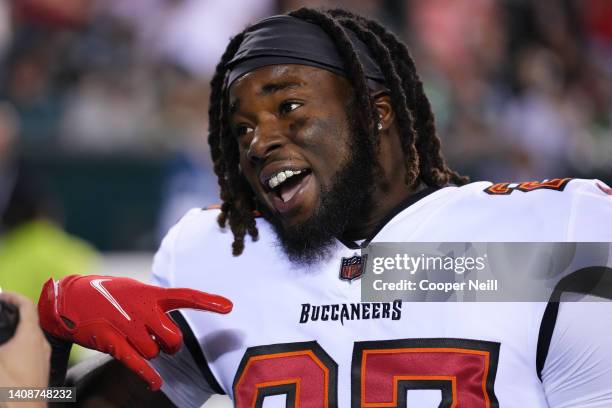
{"x": 423, "y": 159}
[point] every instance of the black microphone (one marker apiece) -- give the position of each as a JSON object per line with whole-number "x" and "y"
{"x": 9, "y": 319}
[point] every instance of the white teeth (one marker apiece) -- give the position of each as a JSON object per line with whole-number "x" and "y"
{"x": 281, "y": 176}
{"x": 273, "y": 182}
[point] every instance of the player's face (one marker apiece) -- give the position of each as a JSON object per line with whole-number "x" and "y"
{"x": 290, "y": 122}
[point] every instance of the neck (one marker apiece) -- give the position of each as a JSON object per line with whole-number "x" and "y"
{"x": 387, "y": 204}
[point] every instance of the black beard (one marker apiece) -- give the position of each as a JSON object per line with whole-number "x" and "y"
{"x": 347, "y": 200}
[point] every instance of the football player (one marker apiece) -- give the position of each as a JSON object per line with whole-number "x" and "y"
{"x": 319, "y": 123}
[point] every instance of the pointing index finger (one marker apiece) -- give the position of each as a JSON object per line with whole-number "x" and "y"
{"x": 178, "y": 298}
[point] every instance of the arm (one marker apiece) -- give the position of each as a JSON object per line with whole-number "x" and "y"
{"x": 103, "y": 381}
{"x": 578, "y": 366}
{"x": 121, "y": 317}
{"x": 577, "y": 370}
{"x": 24, "y": 359}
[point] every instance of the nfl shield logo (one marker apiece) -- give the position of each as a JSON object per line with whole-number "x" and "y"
{"x": 352, "y": 268}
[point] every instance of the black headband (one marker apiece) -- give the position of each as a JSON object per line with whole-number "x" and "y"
{"x": 285, "y": 39}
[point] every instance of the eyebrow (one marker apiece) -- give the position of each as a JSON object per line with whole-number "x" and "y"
{"x": 272, "y": 87}
{"x": 268, "y": 89}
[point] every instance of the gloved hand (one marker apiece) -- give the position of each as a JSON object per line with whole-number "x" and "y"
{"x": 121, "y": 317}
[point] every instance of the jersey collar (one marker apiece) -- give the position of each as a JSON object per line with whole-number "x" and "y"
{"x": 396, "y": 210}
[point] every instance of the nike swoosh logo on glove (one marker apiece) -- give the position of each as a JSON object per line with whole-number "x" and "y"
{"x": 97, "y": 285}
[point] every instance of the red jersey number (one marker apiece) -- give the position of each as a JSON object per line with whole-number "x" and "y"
{"x": 382, "y": 373}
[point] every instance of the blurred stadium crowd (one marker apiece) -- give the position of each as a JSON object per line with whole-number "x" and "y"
{"x": 103, "y": 103}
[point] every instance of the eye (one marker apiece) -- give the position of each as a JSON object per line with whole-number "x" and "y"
{"x": 242, "y": 130}
{"x": 287, "y": 107}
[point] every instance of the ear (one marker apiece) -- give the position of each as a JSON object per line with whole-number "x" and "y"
{"x": 384, "y": 110}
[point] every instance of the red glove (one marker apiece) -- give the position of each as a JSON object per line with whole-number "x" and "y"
{"x": 121, "y": 317}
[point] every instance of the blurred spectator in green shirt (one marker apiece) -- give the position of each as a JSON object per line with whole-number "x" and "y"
{"x": 32, "y": 246}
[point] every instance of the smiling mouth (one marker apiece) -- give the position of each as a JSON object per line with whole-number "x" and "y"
{"x": 285, "y": 184}
{"x": 287, "y": 187}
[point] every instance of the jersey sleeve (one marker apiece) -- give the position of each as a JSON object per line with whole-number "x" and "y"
{"x": 590, "y": 218}
{"x": 183, "y": 382}
{"x": 578, "y": 367}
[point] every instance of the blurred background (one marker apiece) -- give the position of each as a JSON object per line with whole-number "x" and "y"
{"x": 103, "y": 110}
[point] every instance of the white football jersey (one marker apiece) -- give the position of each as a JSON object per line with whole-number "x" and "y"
{"x": 300, "y": 336}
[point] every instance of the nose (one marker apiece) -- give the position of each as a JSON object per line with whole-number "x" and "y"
{"x": 267, "y": 138}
